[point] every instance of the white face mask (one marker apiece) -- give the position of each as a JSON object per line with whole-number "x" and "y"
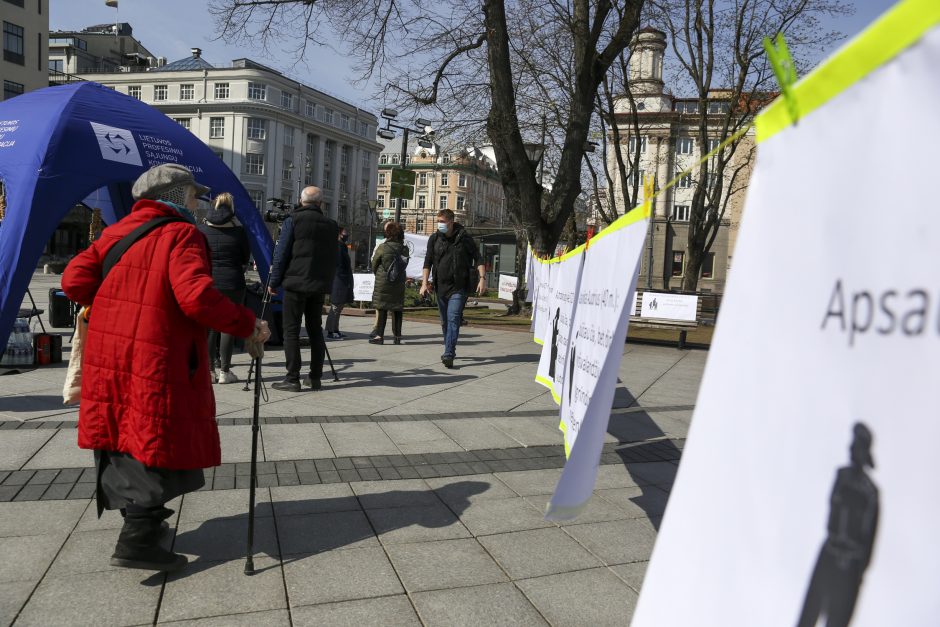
{"x": 442, "y": 227}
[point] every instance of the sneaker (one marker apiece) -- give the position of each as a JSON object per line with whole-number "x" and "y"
{"x": 227, "y": 376}
{"x": 287, "y": 385}
{"x": 448, "y": 362}
{"x": 314, "y": 384}
{"x": 215, "y": 375}
{"x": 332, "y": 336}
{"x": 376, "y": 340}
{"x": 340, "y": 336}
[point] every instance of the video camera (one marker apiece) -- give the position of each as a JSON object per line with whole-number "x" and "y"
{"x": 279, "y": 211}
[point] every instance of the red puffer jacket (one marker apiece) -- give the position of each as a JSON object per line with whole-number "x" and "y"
{"x": 146, "y": 387}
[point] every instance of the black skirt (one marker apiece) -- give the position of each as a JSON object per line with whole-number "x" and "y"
{"x": 123, "y": 480}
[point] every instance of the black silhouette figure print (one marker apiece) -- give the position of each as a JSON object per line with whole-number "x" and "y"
{"x": 844, "y": 556}
{"x": 554, "y": 356}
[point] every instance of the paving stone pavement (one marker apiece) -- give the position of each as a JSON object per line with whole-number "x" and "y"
{"x": 404, "y": 494}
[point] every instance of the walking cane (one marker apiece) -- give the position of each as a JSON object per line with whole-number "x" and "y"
{"x": 255, "y": 427}
{"x": 328, "y": 358}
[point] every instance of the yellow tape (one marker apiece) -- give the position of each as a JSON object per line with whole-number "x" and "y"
{"x": 564, "y": 430}
{"x": 888, "y": 36}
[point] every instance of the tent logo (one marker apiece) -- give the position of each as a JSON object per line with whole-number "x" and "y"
{"x": 117, "y": 144}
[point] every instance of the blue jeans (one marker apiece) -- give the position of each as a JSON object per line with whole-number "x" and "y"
{"x": 451, "y": 310}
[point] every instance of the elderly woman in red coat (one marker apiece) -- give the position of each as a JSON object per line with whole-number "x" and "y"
{"x": 147, "y": 407}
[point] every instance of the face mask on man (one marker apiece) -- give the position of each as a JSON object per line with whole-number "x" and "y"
{"x": 442, "y": 227}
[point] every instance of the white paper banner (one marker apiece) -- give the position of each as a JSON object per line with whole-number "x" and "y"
{"x": 363, "y": 286}
{"x": 417, "y": 250}
{"x": 808, "y": 484}
{"x": 666, "y": 306}
{"x": 507, "y": 285}
{"x": 566, "y": 275}
{"x": 542, "y": 282}
{"x": 599, "y": 330}
{"x": 529, "y": 274}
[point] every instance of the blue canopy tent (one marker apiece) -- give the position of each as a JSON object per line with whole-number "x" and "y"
{"x": 85, "y": 142}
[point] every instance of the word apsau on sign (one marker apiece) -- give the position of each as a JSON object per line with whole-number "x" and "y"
{"x": 807, "y": 491}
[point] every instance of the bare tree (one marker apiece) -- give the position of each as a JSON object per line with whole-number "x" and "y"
{"x": 479, "y": 65}
{"x": 717, "y": 47}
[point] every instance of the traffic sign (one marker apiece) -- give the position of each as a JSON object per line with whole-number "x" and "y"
{"x": 402, "y": 191}
{"x": 404, "y": 177}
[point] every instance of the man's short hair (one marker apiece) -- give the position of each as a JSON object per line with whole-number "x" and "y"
{"x": 447, "y": 214}
{"x": 313, "y": 197}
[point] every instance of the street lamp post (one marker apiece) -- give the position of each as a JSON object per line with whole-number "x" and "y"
{"x": 387, "y": 133}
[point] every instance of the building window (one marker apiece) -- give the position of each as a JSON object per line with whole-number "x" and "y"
{"x": 328, "y": 115}
{"x": 686, "y": 107}
{"x": 383, "y": 159}
{"x": 288, "y": 136}
{"x": 680, "y": 213}
{"x": 328, "y": 151}
{"x": 713, "y": 144}
{"x": 221, "y": 91}
{"x": 56, "y": 65}
{"x": 216, "y": 128}
{"x": 459, "y": 203}
{"x": 257, "y": 197}
{"x": 442, "y": 202}
{"x": 218, "y": 153}
{"x": 257, "y": 128}
{"x": 254, "y": 164}
{"x": 708, "y": 266}
{"x": 462, "y": 180}
{"x": 423, "y": 178}
{"x": 344, "y": 157}
{"x": 445, "y": 179}
{"x": 685, "y": 182}
{"x": 344, "y": 121}
{"x": 134, "y": 91}
{"x": 310, "y": 109}
{"x": 381, "y": 201}
{"x": 187, "y": 91}
{"x": 684, "y": 146}
{"x": 632, "y": 145}
{"x": 257, "y": 91}
{"x": 422, "y": 202}
{"x": 446, "y": 158}
{"x": 678, "y": 261}
{"x": 11, "y": 89}
{"x": 287, "y": 100}
{"x": 20, "y": 4}
{"x": 419, "y": 225}
{"x": 381, "y": 178}
{"x": 13, "y": 46}
{"x": 159, "y": 92}
{"x": 287, "y": 170}
{"x": 184, "y": 122}
{"x": 717, "y": 107}
{"x": 396, "y": 158}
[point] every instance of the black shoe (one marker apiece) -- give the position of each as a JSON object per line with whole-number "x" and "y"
{"x": 138, "y": 547}
{"x": 376, "y": 340}
{"x": 397, "y": 340}
{"x": 287, "y": 385}
{"x": 162, "y": 514}
{"x": 448, "y": 362}
{"x": 314, "y": 384}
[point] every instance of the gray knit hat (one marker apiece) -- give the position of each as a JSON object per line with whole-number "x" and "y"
{"x": 158, "y": 180}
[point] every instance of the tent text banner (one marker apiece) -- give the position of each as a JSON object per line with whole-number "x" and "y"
{"x": 807, "y": 488}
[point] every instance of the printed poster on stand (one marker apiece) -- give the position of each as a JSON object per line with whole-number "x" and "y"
{"x": 566, "y": 275}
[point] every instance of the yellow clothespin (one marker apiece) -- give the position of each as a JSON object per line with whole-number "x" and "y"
{"x": 785, "y": 71}
{"x": 649, "y": 187}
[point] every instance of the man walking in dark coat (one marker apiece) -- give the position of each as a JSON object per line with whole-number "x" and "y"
{"x": 342, "y": 287}
{"x": 304, "y": 264}
{"x": 451, "y": 254}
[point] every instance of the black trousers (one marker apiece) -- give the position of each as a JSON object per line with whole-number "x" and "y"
{"x": 381, "y": 319}
{"x": 299, "y": 305}
{"x": 221, "y": 344}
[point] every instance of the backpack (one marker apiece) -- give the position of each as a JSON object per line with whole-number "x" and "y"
{"x": 398, "y": 269}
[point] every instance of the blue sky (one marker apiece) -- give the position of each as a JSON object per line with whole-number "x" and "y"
{"x": 171, "y": 27}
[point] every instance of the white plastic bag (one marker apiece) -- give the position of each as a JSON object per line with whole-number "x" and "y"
{"x": 72, "y": 390}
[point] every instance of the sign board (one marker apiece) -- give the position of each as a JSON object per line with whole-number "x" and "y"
{"x": 507, "y": 285}
{"x": 666, "y": 306}
{"x": 363, "y": 286}
{"x": 402, "y": 191}
{"x": 807, "y": 492}
{"x": 417, "y": 250}
{"x": 403, "y": 183}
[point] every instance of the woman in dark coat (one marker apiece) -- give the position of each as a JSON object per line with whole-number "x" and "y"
{"x": 228, "y": 246}
{"x": 342, "y": 287}
{"x": 388, "y": 296}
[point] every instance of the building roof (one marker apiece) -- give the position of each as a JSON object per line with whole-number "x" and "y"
{"x": 185, "y": 65}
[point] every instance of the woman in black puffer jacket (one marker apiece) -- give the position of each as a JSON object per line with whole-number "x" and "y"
{"x": 228, "y": 246}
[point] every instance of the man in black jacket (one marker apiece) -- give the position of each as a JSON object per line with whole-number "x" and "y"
{"x": 304, "y": 264}
{"x": 451, "y": 253}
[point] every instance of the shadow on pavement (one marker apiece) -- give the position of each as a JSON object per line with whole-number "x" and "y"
{"x": 519, "y": 358}
{"x": 31, "y": 402}
{"x": 391, "y": 378}
{"x": 312, "y": 526}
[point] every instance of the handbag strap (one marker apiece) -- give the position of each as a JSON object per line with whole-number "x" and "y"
{"x": 117, "y": 251}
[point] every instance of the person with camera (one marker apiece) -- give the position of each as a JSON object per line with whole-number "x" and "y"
{"x": 304, "y": 265}
{"x": 451, "y": 254}
{"x": 390, "y": 265}
{"x": 342, "y": 287}
{"x": 147, "y": 408}
{"x": 228, "y": 248}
